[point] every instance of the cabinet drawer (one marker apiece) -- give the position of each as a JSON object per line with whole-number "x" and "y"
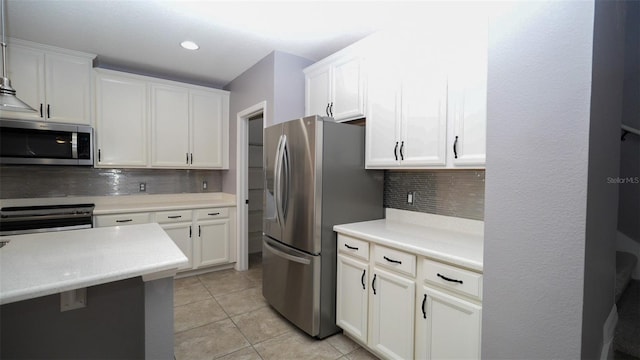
{"x": 396, "y": 260}
{"x": 165, "y": 217}
{"x": 122, "y": 219}
{"x": 453, "y": 278}
{"x": 213, "y": 213}
{"x": 353, "y": 246}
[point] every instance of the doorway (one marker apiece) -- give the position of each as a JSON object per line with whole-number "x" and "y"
{"x": 255, "y": 173}
{"x": 245, "y": 205}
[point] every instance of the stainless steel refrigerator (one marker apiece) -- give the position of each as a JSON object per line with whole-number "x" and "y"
{"x": 314, "y": 179}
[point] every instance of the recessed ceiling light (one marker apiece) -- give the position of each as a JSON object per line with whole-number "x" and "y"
{"x": 189, "y": 45}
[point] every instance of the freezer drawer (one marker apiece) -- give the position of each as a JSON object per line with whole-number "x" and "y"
{"x": 291, "y": 284}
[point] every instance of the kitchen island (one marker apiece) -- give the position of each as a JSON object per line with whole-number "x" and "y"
{"x": 126, "y": 310}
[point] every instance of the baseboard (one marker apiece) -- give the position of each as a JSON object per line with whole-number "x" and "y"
{"x": 627, "y": 244}
{"x": 608, "y": 332}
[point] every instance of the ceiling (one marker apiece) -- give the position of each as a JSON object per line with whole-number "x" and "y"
{"x": 144, "y": 35}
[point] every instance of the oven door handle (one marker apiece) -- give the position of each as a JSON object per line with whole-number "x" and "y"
{"x": 43, "y": 230}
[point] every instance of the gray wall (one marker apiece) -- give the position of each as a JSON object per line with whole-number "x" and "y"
{"x": 54, "y": 181}
{"x": 284, "y": 97}
{"x": 629, "y": 198}
{"x": 288, "y": 87}
{"x": 604, "y": 155}
{"x": 250, "y": 88}
{"x": 538, "y": 113}
{"x": 457, "y": 193}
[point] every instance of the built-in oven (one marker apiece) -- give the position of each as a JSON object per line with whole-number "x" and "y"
{"x": 19, "y": 220}
{"x": 45, "y": 143}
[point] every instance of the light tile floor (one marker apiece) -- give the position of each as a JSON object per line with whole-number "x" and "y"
{"x": 222, "y": 315}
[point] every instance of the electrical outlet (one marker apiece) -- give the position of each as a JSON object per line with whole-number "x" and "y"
{"x": 204, "y": 185}
{"x": 73, "y": 299}
{"x": 411, "y": 195}
{"x": 143, "y": 187}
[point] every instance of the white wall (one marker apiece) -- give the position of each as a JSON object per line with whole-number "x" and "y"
{"x": 539, "y": 92}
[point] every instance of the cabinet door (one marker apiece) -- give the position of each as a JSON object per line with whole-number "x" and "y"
{"x": 447, "y": 327}
{"x": 169, "y": 126}
{"x": 317, "y": 92}
{"x": 182, "y": 235}
{"x": 214, "y": 242}
{"x": 121, "y": 121}
{"x": 392, "y": 305}
{"x": 383, "y": 116}
{"x": 68, "y": 89}
{"x": 347, "y": 85}
{"x": 25, "y": 68}
{"x": 209, "y": 129}
{"x": 468, "y": 94}
{"x": 352, "y": 297}
{"x": 424, "y": 112}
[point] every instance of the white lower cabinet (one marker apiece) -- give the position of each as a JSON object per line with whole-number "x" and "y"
{"x": 122, "y": 219}
{"x": 214, "y": 242}
{"x": 405, "y": 306}
{"x": 182, "y": 235}
{"x": 447, "y": 327}
{"x": 207, "y": 237}
{"x": 352, "y": 311}
{"x": 392, "y": 304}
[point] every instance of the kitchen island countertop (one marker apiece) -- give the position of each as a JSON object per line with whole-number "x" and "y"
{"x": 42, "y": 264}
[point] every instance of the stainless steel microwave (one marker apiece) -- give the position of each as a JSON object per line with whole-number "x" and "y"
{"x": 45, "y": 143}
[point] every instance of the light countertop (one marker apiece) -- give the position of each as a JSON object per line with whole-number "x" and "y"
{"x": 452, "y": 240}
{"x": 134, "y": 203}
{"x": 36, "y": 265}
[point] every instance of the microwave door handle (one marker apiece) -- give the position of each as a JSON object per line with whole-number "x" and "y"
{"x": 74, "y": 145}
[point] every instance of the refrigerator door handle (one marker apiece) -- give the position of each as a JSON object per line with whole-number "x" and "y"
{"x": 284, "y": 255}
{"x": 277, "y": 178}
{"x": 284, "y": 200}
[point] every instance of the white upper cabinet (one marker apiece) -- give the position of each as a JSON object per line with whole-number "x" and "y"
{"x": 318, "y": 91}
{"x": 383, "y": 128}
{"x": 188, "y": 125}
{"x": 121, "y": 120}
{"x": 406, "y": 117}
{"x": 335, "y": 87}
{"x": 189, "y": 129}
{"x": 55, "y": 82}
{"x": 468, "y": 94}
{"x": 209, "y": 124}
{"x": 169, "y": 126}
{"x": 426, "y": 96}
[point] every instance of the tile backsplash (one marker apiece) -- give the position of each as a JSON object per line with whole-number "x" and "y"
{"x": 457, "y": 193}
{"x": 17, "y": 181}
